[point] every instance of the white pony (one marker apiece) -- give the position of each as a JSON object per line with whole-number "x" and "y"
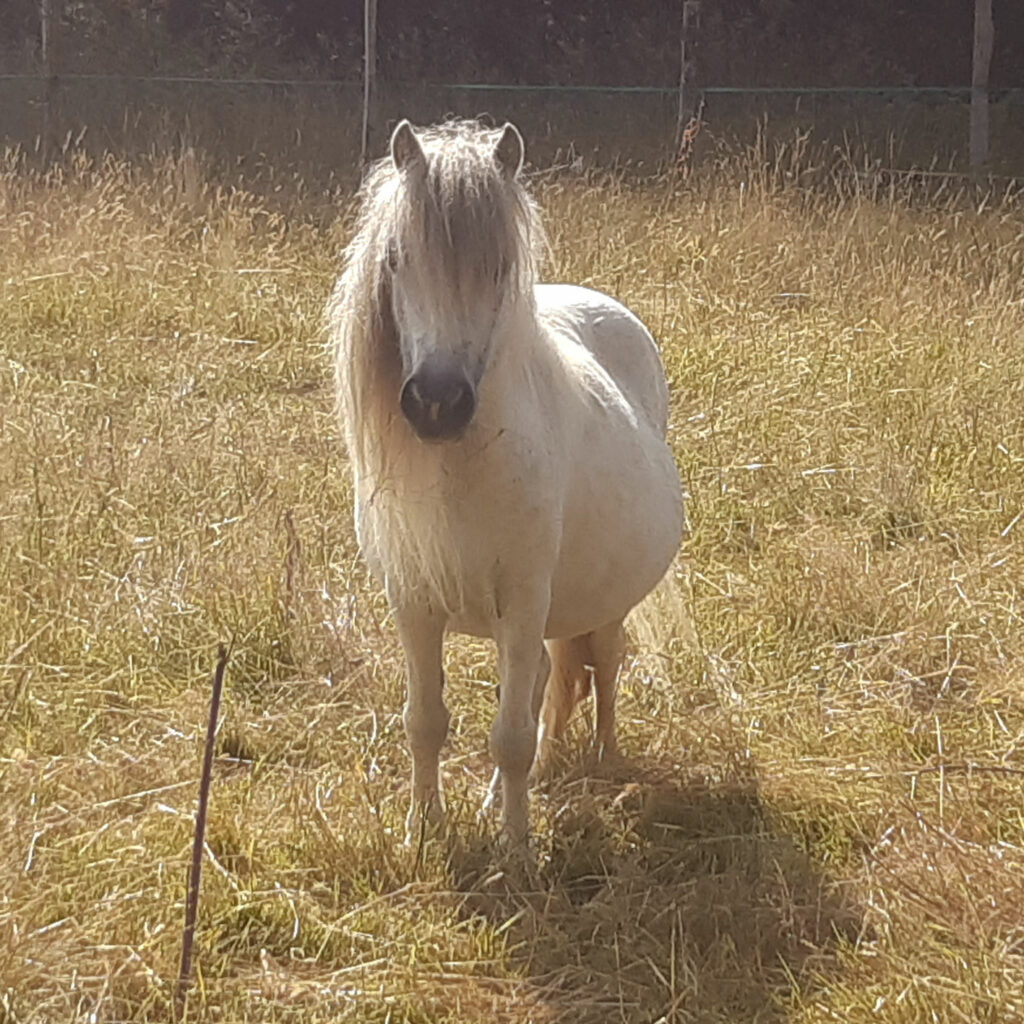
{"x": 507, "y": 440}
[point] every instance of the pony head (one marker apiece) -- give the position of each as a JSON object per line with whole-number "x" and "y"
{"x": 458, "y": 258}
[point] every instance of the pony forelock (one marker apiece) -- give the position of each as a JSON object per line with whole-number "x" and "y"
{"x": 465, "y": 221}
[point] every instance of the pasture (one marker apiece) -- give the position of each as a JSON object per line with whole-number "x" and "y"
{"x": 817, "y": 814}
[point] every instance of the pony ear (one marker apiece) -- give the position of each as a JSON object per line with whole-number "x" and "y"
{"x": 509, "y": 150}
{"x": 406, "y": 150}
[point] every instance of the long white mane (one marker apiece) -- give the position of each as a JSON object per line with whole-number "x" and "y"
{"x": 465, "y": 223}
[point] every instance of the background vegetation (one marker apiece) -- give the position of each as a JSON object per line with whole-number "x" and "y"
{"x": 742, "y": 42}
{"x": 818, "y": 812}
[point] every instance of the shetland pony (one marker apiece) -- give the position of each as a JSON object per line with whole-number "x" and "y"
{"x": 507, "y": 440}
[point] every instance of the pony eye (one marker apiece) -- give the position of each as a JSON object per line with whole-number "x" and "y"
{"x": 392, "y": 257}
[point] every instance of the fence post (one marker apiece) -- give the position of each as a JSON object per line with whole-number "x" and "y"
{"x": 369, "y": 78}
{"x": 46, "y": 54}
{"x": 688, "y": 88}
{"x": 984, "y": 36}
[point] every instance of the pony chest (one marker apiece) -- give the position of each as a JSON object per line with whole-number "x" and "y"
{"x": 460, "y": 538}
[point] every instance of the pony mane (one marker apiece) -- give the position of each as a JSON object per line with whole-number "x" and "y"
{"x": 465, "y": 221}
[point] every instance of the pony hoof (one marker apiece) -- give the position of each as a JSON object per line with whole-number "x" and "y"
{"x": 424, "y": 822}
{"x": 543, "y": 770}
{"x": 601, "y": 757}
{"x": 518, "y": 861}
{"x": 552, "y": 760}
{"x": 424, "y": 832}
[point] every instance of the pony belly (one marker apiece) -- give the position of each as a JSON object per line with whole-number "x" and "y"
{"x": 608, "y": 593}
{"x": 623, "y": 542}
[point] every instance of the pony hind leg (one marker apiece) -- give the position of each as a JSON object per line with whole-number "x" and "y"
{"x": 579, "y": 665}
{"x": 607, "y": 649}
{"x": 567, "y": 684}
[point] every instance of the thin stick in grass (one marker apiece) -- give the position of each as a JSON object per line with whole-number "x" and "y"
{"x": 195, "y": 873}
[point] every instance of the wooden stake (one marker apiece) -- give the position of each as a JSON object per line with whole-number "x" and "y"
{"x": 984, "y": 37}
{"x": 196, "y": 872}
{"x": 369, "y": 77}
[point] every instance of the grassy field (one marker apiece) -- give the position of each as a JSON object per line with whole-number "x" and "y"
{"x": 819, "y": 811}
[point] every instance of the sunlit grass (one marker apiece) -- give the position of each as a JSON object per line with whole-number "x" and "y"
{"x": 818, "y": 815}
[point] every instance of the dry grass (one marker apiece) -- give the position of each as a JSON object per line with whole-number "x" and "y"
{"x": 819, "y": 813}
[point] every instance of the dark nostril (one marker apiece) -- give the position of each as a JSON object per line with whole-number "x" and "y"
{"x": 411, "y": 400}
{"x": 462, "y": 399}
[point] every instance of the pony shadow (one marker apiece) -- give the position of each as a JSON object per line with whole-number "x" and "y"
{"x": 667, "y": 899}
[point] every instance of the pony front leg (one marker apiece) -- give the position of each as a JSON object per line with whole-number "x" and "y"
{"x": 543, "y": 671}
{"x": 421, "y": 632}
{"x": 522, "y": 662}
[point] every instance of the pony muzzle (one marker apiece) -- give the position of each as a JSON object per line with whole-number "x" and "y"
{"x": 438, "y": 402}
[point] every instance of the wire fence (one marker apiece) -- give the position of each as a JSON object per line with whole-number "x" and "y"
{"x": 1011, "y": 94}
{"x": 313, "y": 124}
